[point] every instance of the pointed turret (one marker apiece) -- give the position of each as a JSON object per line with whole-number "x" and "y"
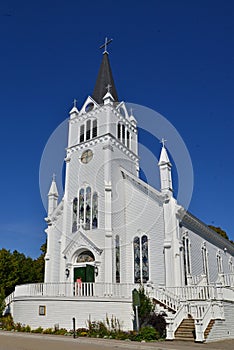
{"x": 165, "y": 170}
{"x": 104, "y": 81}
{"x": 52, "y": 197}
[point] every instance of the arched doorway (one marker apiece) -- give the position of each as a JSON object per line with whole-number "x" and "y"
{"x": 84, "y": 266}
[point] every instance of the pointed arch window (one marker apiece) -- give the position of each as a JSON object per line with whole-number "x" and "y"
{"x": 88, "y": 208}
{"x": 230, "y": 265}
{"x": 141, "y": 259}
{"x": 81, "y": 205}
{"x": 123, "y": 133}
{"x": 94, "y": 132}
{"x": 82, "y": 133}
{"x": 95, "y": 210}
{"x": 128, "y": 139}
{"x": 117, "y": 259}
{"x": 88, "y": 129}
{"x": 119, "y": 131}
{"x": 137, "y": 260}
{"x": 219, "y": 262}
{"x": 74, "y": 216}
{"x": 186, "y": 258}
{"x": 144, "y": 259}
{"x": 205, "y": 262}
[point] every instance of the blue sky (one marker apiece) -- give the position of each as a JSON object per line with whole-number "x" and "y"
{"x": 175, "y": 57}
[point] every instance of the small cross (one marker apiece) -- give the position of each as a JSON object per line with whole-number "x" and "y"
{"x": 163, "y": 141}
{"x": 54, "y": 176}
{"x": 74, "y": 102}
{"x": 131, "y": 111}
{"x": 107, "y": 42}
{"x": 108, "y": 87}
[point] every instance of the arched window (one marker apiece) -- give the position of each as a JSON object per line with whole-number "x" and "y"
{"x": 94, "y": 133}
{"x": 219, "y": 262}
{"x": 123, "y": 133}
{"x": 186, "y": 258}
{"x": 82, "y": 133}
{"x": 117, "y": 259}
{"x": 85, "y": 256}
{"x": 88, "y": 129}
{"x": 141, "y": 259}
{"x": 88, "y": 208}
{"x": 230, "y": 265}
{"x": 81, "y": 205}
{"x": 128, "y": 139}
{"x": 95, "y": 210}
{"x": 137, "y": 260}
{"x": 144, "y": 259}
{"x": 205, "y": 262}
{"x": 119, "y": 131}
{"x": 74, "y": 215}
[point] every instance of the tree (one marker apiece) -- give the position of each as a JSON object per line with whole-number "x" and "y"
{"x": 220, "y": 232}
{"x": 16, "y": 268}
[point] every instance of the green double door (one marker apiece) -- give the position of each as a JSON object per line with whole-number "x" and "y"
{"x": 86, "y": 273}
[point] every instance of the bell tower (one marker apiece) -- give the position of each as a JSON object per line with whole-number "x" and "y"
{"x": 102, "y": 139}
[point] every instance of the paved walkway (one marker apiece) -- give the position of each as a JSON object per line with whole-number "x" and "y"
{"x": 25, "y": 341}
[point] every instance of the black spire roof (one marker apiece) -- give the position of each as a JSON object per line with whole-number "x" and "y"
{"x": 104, "y": 79}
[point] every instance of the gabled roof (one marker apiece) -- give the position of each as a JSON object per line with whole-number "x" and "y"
{"x": 104, "y": 79}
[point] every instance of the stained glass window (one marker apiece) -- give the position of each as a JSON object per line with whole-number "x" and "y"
{"x": 74, "y": 215}
{"x": 81, "y": 205}
{"x": 88, "y": 208}
{"x": 117, "y": 260}
{"x": 137, "y": 260}
{"x": 95, "y": 211}
{"x": 145, "y": 259}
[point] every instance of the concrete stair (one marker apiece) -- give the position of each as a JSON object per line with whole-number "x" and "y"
{"x": 208, "y": 328}
{"x": 186, "y": 330}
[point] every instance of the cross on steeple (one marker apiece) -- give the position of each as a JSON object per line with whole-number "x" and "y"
{"x": 107, "y": 42}
{"x": 74, "y": 102}
{"x": 163, "y": 141}
{"x": 108, "y": 87}
{"x": 54, "y": 176}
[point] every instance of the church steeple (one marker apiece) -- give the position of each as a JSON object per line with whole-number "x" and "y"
{"x": 52, "y": 197}
{"x": 165, "y": 170}
{"x": 104, "y": 79}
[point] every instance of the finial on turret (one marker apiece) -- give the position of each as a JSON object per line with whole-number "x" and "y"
{"x": 163, "y": 141}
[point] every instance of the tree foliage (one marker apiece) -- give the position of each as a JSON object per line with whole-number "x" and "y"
{"x": 220, "y": 231}
{"x": 16, "y": 268}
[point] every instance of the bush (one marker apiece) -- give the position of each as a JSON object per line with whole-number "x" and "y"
{"x": 37, "y": 330}
{"x": 7, "y": 323}
{"x": 159, "y": 323}
{"x": 61, "y": 331}
{"x": 147, "y": 333}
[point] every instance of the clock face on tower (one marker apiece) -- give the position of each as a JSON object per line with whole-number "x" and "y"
{"x": 86, "y": 156}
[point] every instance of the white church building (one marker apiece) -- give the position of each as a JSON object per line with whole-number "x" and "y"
{"x": 113, "y": 231}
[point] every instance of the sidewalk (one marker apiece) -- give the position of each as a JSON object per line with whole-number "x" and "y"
{"x": 27, "y": 341}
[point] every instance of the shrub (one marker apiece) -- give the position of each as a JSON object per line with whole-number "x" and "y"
{"x": 61, "y": 331}
{"x": 159, "y": 323}
{"x": 48, "y": 331}
{"x": 147, "y": 333}
{"x": 37, "y": 330}
{"x": 7, "y": 322}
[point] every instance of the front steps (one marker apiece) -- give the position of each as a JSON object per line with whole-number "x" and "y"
{"x": 208, "y": 328}
{"x": 186, "y": 330}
